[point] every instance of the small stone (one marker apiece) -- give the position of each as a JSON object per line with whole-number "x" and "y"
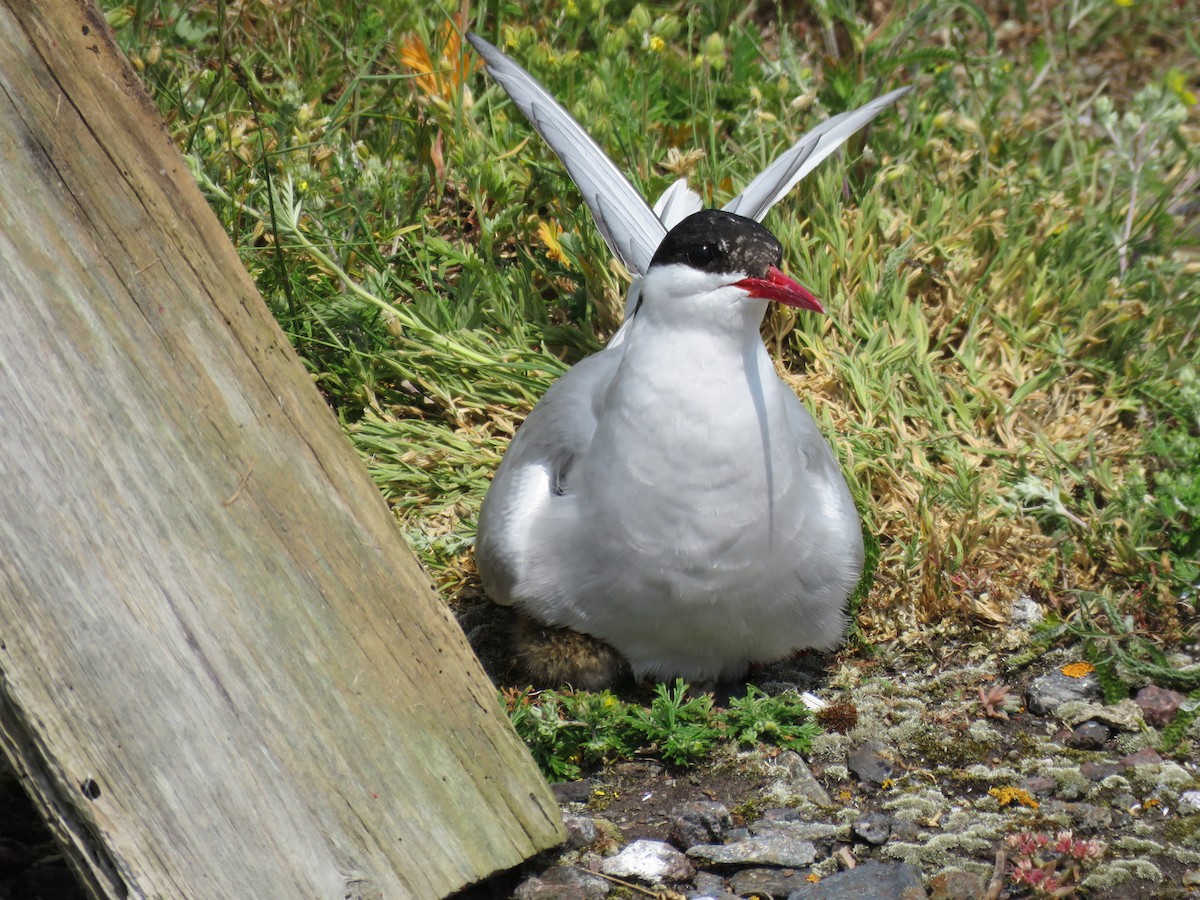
{"x": 1025, "y": 612}
{"x": 1147, "y": 756}
{"x": 654, "y": 862}
{"x": 773, "y": 849}
{"x": 767, "y": 882}
{"x": 905, "y": 830}
{"x": 956, "y": 884}
{"x": 707, "y": 884}
{"x": 801, "y": 779}
{"x": 699, "y": 822}
{"x": 573, "y": 791}
{"x": 563, "y": 883}
{"x": 1158, "y": 705}
{"x": 1089, "y": 818}
{"x": 797, "y": 830}
{"x": 874, "y": 828}
{"x": 869, "y": 881}
{"x": 870, "y": 764}
{"x": 581, "y": 831}
{"x": 1189, "y": 803}
{"x": 1098, "y": 770}
{"x": 786, "y": 814}
{"x": 1088, "y": 736}
{"x": 1041, "y": 785}
{"x": 1052, "y": 690}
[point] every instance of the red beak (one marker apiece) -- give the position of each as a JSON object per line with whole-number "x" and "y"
{"x": 777, "y": 286}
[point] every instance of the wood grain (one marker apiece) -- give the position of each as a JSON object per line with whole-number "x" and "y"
{"x": 222, "y": 672}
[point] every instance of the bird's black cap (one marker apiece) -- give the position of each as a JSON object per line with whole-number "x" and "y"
{"x": 717, "y": 241}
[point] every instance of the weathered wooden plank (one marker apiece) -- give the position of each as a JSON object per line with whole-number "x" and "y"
{"x": 222, "y": 673}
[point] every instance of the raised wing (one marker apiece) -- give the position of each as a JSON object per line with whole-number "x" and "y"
{"x": 805, "y": 155}
{"x": 627, "y": 224}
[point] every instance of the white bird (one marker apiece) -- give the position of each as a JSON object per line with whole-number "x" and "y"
{"x": 669, "y": 495}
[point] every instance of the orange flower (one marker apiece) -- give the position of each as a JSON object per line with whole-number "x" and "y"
{"x": 442, "y": 71}
{"x": 1077, "y": 669}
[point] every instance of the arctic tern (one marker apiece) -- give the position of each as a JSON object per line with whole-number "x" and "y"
{"x": 670, "y": 496}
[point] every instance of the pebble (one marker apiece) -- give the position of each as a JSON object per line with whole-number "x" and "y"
{"x": 1098, "y": 770}
{"x": 581, "y": 831}
{"x": 1147, "y": 756}
{"x": 770, "y": 849}
{"x": 801, "y": 779}
{"x": 870, "y": 763}
{"x": 767, "y": 882}
{"x": 1040, "y": 785}
{"x": 1025, "y": 612}
{"x": 1050, "y": 691}
{"x": 563, "y": 883}
{"x": 654, "y": 862}
{"x": 874, "y": 828}
{"x": 708, "y": 885}
{"x": 794, "y": 828}
{"x": 699, "y": 822}
{"x": 1189, "y": 803}
{"x": 1089, "y": 736}
{"x": 573, "y": 791}
{"x": 1158, "y": 705}
{"x": 956, "y": 884}
{"x": 869, "y": 881}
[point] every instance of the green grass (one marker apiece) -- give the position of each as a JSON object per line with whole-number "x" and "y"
{"x": 1009, "y": 366}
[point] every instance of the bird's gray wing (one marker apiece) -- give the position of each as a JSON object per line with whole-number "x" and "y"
{"x": 628, "y": 225}
{"x": 782, "y": 175}
{"x": 532, "y": 487}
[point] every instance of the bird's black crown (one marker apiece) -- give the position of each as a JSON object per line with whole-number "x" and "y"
{"x": 717, "y": 241}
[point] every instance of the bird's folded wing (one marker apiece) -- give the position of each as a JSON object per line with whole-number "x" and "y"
{"x": 626, "y": 222}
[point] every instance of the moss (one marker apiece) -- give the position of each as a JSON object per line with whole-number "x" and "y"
{"x": 1184, "y": 831}
{"x": 939, "y": 750}
{"x": 1110, "y": 875}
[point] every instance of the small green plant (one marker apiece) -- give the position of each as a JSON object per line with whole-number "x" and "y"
{"x": 567, "y": 731}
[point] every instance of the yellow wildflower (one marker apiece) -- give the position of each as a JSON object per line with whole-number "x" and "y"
{"x": 548, "y": 232}
{"x": 657, "y": 44}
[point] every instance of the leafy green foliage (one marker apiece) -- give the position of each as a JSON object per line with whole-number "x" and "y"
{"x": 569, "y": 730}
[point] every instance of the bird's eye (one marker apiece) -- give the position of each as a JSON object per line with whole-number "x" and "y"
{"x": 700, "y": 255}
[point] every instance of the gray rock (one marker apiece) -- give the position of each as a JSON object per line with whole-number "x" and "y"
{"x": 699, "y": 822}
{"x": 581, "y": 831}
{"x": 1088, "y": 736}
{"x": 1025, "y": 612}
{"x": 1158, "y": 705}
{"x": 1189, "y": 803}
{"x": 874, "y": 828}
{"x": 1041, "y": 785}
{"x": 1147, "y": 756}
{"x": 957, "y": 885}
{"x": 1050, "y": 691}
{"x": 1098, "y": 770}
{"x": 563, "y": 883}
{"x": 801, "y": 780}
{"x": 871, "y": 763}
{"x": 869, "y": 881}
{"x": 573, "y": 791}
{"x": 767, "y": 882}
{"x": 797, "y": 830}
{"x": 708, "y": 885}
{"x": 770, "y": 849}
{"x": 654, "y": 862}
